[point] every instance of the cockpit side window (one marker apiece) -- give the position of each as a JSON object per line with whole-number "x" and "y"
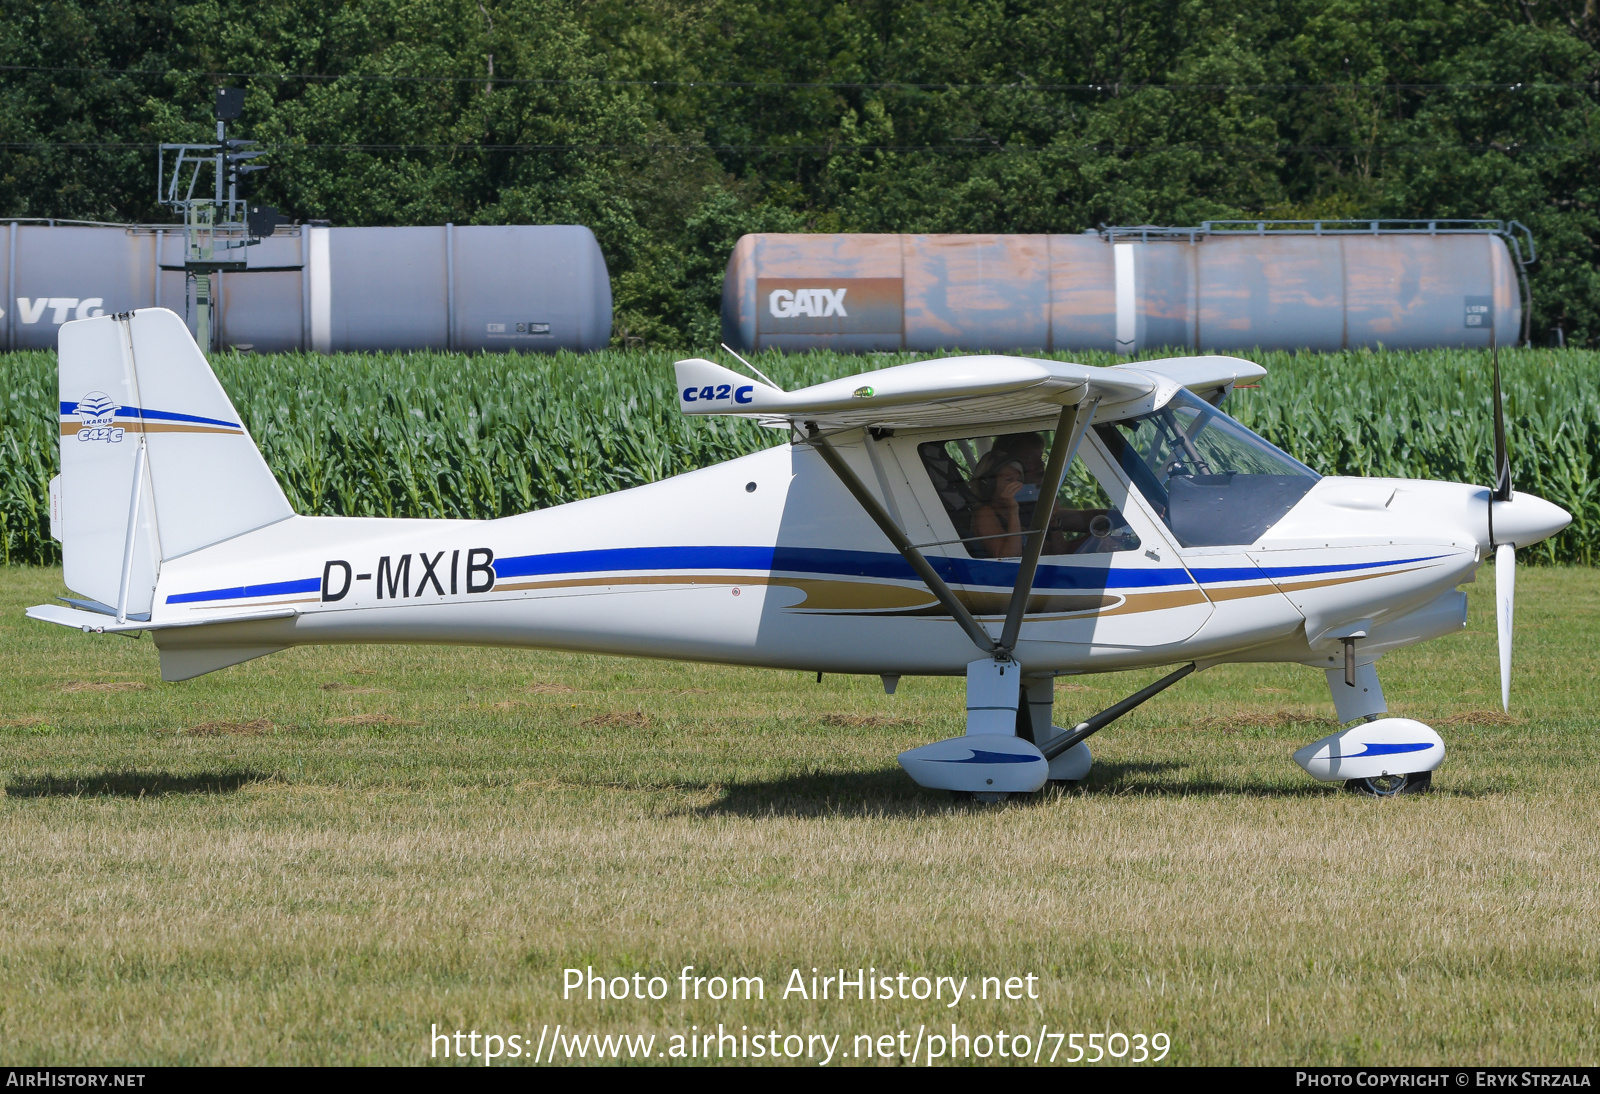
{"x": 1213, "y": 481}
{"x": 989, "y": 486}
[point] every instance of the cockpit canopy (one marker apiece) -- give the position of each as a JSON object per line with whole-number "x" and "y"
{"x": 1209, "y": 478}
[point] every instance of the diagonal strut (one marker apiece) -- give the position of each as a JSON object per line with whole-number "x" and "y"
{"x": 830, "y": 455}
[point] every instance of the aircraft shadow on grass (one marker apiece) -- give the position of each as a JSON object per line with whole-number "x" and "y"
{"x": 131, "y": 784}
{"x": 888, "y": 792}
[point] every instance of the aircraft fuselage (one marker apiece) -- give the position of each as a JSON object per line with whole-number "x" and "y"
{"x": 767, "y": 561}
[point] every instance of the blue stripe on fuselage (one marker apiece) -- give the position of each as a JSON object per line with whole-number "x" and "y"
{"x": 636, "y": 558}
{"x": 1306, "y": 571}
{"x": 836, "y": 563}
{"x": 822, "y": 560}
{"x": 833, "y": 563}
{"x": 304, "y": 585}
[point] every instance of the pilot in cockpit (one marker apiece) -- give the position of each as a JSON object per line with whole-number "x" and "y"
{"x": 1007, "y": 483}
{"x": 1006, "y": 480}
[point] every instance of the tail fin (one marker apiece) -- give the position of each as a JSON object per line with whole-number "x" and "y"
{"x": 155, "y": 462}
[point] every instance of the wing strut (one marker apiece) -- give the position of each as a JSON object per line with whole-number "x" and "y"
{"x": 1070, "y": 429}
{"x": 1074, "y": 423}
{"x": 886, "y": 524}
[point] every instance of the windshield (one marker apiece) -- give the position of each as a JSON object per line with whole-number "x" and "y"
{"x": 1213, "y": 481}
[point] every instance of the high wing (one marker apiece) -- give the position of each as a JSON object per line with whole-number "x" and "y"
{"x": 986, "y": 389}
{"x": 1211, "y": 377}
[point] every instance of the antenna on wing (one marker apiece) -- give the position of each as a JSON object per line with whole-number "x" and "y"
{"x": 759, "y": 374}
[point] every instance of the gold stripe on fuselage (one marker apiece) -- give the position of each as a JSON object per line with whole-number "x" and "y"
{"x": 823, "y": 596}
{"x": 820, "y": 594}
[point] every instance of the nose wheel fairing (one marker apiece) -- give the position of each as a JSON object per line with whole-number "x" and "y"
{"x": 1377, "y": 756}
{"x": 1376, "y": 750}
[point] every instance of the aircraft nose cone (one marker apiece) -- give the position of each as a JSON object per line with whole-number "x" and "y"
{"x": 1526, "y": 519}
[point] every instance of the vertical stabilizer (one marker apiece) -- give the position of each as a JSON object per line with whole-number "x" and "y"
{"x": 155, "y": 462}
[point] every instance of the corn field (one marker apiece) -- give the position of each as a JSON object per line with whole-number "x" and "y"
{"x": 450, "y": 435}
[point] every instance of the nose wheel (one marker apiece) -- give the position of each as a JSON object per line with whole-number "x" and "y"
{"x": 1390, "y": 786}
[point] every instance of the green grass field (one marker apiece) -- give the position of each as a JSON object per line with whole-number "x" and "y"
{"x": 318, "y": 856}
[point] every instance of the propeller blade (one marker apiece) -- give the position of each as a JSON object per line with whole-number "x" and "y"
{"x": 1505, "y": 594}
{"x": 1502, "y": 458}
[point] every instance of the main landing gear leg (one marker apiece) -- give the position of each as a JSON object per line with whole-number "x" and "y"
{"x": 988, "y": 763}
{"x": 991, "y": 761}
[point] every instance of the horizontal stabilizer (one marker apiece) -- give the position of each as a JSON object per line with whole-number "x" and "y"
{"x": 88, "y": 622}
{"x": 96, "y": 606}
{"x": 180, "y": 662}
{"x": 98, "y": 623}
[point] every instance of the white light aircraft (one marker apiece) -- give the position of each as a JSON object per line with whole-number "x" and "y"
{"x": 1005, "y": 518}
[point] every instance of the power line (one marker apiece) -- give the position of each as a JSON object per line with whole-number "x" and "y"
{"x": 837, "y": 149}
{"x": 853, "y": 85}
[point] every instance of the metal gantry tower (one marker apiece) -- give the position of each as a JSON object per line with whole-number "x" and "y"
{"x": 216, "y": 230}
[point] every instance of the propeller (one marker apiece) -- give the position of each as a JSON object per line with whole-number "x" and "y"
{"x": 1505, "y": 554}
{"x": 1505, "y": 592}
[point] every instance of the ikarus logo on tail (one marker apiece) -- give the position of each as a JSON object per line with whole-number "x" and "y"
{"x": 97, "y": 412}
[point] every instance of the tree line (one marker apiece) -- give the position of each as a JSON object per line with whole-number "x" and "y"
{"x": 671, "y": 128}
